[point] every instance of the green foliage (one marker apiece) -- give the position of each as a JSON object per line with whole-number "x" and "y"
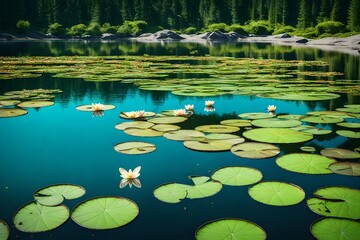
{"x": 354, "y": 16}
{"x": 237, "y": 28}
{"x": 108, "y": 28}
{"x": 23, "y": 26}
{"x": 77, "y": 30}
{"x": 330, "y": 27}
{"x": 190, "y": 30}
{"x": 217, "y": 26}
{"x": 307, "y": 33}
{"x": 93, "y": 29}
{"x": 56, "y": 29}
{"x": 279, "y": 29}
{"x": 259, "y": 27}
{"x": 132, "y": 28}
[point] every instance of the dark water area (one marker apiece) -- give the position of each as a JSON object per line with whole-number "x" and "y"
{"x": 58, "y": 144}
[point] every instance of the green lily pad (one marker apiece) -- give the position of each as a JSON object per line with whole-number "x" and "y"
{"x": 89, "y": 108}
{"x": 308, "y": 148}
{"x": 55, "y": 194}
{"x": 134, "y": 124}
{"x": 197, "y": 180}
{"x": 321, "y": 119}
{"x": 184, "y": 135}
{"x": 167, "y": 120}
{"x": 138, "y": 132}
{"x": 12, "y": 112}
{"x": 35, "y": 104}
{"x": 4, "y": 230}
{"x": 255, "y": 150}
{"x": 135, "y": 147}
{"x": 348, "y": 134}
{"x": 277, "y": 135}
{"x": 105, "y": 212}
{"x": 212, "y": 145}
{"x": 352, "y": 105}
{"x": 346, "y": 168}
{"x": 305, "y": 163}
{"x": 220, "y": 136}
{"x": 236, "y": 122}
{"x": 335, "y": 229}
{"x": 349, "y": 110}
{"x": 291, "y": 116}
{"x": 255, "y": 115}
{"x": 145, "y": 115}
{"x": 349, "y": 125}
{"x": 217, "y": 128}
{"x": 203, "y": 189}
{"x": 231, "y": 229}
{"x": 9, "y": 102}
{"x": 336, "y": 202}
{"x": 277, "y": 193}
{"x": 339, "y": 153}
{"x": 165, "y": 127}
{"x": 316, "y": 131}
{"x": 302, "y": 96}
{"x": 276, "y": 123}
{"x": 334, "y": 114}
{"x": 237, "y": 176}
{"x": 34, "y": 217}
{"x": 171, "y": 192}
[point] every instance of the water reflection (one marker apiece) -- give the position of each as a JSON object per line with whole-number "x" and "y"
{"x": 124, "y": 182}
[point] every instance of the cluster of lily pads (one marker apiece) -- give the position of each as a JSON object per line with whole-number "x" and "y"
{"x": 14, "y": 103}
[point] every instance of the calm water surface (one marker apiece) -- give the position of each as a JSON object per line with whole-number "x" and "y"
{"x": 59, "y": 144}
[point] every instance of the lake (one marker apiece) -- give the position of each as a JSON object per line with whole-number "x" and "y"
{"x": 59, "y": 144}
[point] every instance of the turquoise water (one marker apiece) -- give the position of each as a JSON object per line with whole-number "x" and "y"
{"x": 59, "y": 144}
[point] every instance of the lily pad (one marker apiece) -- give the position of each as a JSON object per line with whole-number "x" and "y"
{"x": 305, "y": 163}
{"x": 135, "y": 147}
{"x": 230, "y": 228}
{"x": 171, "y": 192}
{"x": 4, "y": 230}
{"x": 89, "y": 108}
{"x": 291, "y": 116}
{"x": 34, "y": 217}
{"x": 301, "y": 96}
{"x": 349, "y": 125}
{"x": 220, "y": 136}
{"x": 316, "y": 131}
{"x": 167, "y": 120}
{"x": 277, "y": 135}
{"x": 321, "y": 119}
{"x": 349, "y": 110}
{"x": 339, "y": 153}
{"x": 183, "y": 135}
{"x": 237, "y": 176}
{"x": 308, "y": 148}
{"x": 277, "y": 193}
{"x": 35, "y": 104}
{"x": 9, "y": 102}
{"x": 276, "y": 123}
{"x": 255, "y": 115}
{"x": 134, "y": 124}
{"x": 346, "y": 168}
{"x": 336, "y": 202}
{"x": 12, "y": 112}
{"x": 165, "y": 127}
{"x": 213, "y": 145}
{"x": 105, "y": 212}
{"x": 217, "y": 128}
{"x": 335, "y": 229}
{"x": 146, "y": 114}
{"x": 143, "y": 132}
{"x": 203, "y": 189}
{"x": 348, "y": 133}
{"x": 255, "y": 150}
{"x": 236, "y": 122}
{"x": 55, "y": 194}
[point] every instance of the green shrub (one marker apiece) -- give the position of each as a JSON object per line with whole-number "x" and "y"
{"x": 259, "y": 27}
{"x": 77, "y": 30}
{"x": 237, "y": 28}
{"x": 330, "y": 27}
{"x": 23, "y": 26}
{"x": 93, "y": 29}
{"x": 190, "y": 30}
{"x": 132, "y": 28}
{"x": 216, "y": 26}
{"x": 345, "y": 34}
{"x": 56, "y": 29}
{"x": 283, "y": 29}
{"x": 307, "y": 33}
{"x": 107, "y": 28}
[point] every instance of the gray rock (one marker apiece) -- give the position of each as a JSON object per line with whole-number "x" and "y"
{"x": 218, "y": 36}
{"x": 108, "y": 36}
{"x": 167, "y": 35}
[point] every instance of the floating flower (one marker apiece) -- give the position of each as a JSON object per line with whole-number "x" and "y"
{"x": 130, "y": 174}
{"x": 209, "y": 103}
{"x": 135, "y": 114}
{"x": 180, "y": 112}
{"x": 97, "y": 106}
{"x": 209, "y": 109}
{"x": 124, "y": 182}
{"x": 189, "y": 107}
{"x": 271, "y": 108}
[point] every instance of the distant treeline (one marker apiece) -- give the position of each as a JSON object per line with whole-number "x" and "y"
{"x": 179, "y": 14}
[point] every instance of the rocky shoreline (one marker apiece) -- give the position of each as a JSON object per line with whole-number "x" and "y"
{"x": 350, "y": 45}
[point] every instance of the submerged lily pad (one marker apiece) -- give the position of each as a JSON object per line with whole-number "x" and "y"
{"x": 348, "y": 133}
{"x": 105, "y": 212}
{"x": 167, "y": 120}
{"x": 183, "y": 135}
{"x": 335, "y": 229}
{"x": 276, "y": 123}
{"x": 143, "y": 132}
{"x": 213, "y": 145}
{"x": 236, "y": 122}
{"x": 255, "y": 115}
{"x": 237, "y": 176}
{"x": 336, "y": 202}
{"x": 217, "y": 128}
{"x": 277, "y": 135}
{"x": 34, "y": 217}
{"x": 134, "y": 124}
{"x": 230, "y": 228}
{"x": 135, "y": 147}
{"x": 277, "y": 193}
{"x": 35, "y": 104}
{"x": 305, "y": 163}
{"x": 255, "y": 150}
{"x": 55, "y": 194}
{"x": 4, "y": 230}
{"x": 203, "y": 189}
{"x": 171, "y": 192}
{"x": 339, "y": 153}
{"x": 12, "y": 112}
{"x": 346, "y": 168}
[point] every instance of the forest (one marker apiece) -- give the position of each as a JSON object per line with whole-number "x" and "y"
{"x": 78, "y": 17}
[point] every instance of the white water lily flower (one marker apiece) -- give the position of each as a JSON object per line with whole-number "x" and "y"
{"x": 180, "y": 112}
{"x": 124, "y": 182}
{"x": 135, "y": 114}
{"x": 97, "y": 106}
{"x": 209, "y": 103}
{"x": 130, "y": 174}
{"x": 271, "y": 108}
{"x": 189, "y": 107}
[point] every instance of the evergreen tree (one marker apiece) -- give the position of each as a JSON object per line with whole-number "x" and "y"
{"x": 336, "y": 11}
{"x": 354, "y": 16}
{"x": 324, "y": 14}
{"x": 126, "y": 10}
{"x": 303, "y": 19}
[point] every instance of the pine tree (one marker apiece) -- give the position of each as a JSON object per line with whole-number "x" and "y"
{"x": 354, "y": 16}
{"x": 336, "y": 11}
{"x": 324, "y": 14}
{"x": 234, "y": 11}
{"x": 303, "y": 18}
{"x": 126, "y": 10}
